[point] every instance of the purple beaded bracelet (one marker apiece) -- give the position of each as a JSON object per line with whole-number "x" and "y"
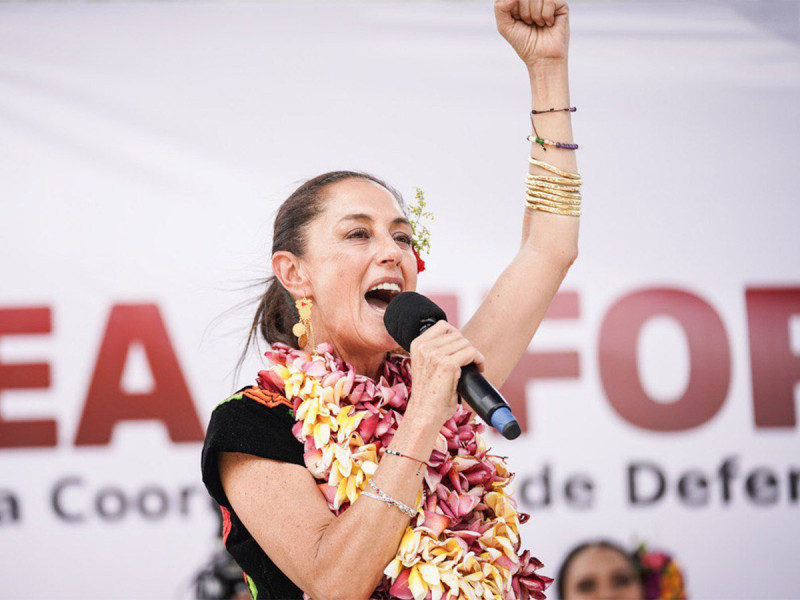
{"x": 543, "y": 142}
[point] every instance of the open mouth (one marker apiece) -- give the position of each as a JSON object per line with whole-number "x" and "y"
{"x": 379, "y": 296}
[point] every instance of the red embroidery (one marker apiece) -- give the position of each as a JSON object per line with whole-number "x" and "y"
{"x": 226, "y": 524}
{"x": 267, "y": 398}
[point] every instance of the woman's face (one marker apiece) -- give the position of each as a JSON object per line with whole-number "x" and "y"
{"x": 360, "y": 240}
{"x": 602, "y": 573}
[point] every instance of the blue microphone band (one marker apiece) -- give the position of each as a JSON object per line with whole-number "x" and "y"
{"x": 503, "y": 420}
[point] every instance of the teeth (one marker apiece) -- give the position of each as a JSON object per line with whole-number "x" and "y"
{"x": 392, "y": 287}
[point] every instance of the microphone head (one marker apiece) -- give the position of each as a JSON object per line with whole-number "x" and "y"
{"x": 407, "y": 314}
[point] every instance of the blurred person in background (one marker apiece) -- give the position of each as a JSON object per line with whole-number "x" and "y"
{"x": 604, "y": 570}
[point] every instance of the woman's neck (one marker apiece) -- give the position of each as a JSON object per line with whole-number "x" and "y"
{"x": 369, "y": 364}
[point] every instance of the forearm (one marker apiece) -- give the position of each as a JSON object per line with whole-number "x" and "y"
{"x": 521, "y": 295}
{"x": 355, "y": 548}
{"x": 555, "y": 236}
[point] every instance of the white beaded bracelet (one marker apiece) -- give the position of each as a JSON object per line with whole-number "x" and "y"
{"x": 384, "y": 497}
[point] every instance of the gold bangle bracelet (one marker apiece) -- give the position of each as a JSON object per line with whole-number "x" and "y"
{"x": 553, "y": 169}
{"x": 554, "y": 194}
{"x": 575, "y": 207}
{"x": 556, "y": 180}
{"x": 552, "y": 186}
{"x": 535, "y": 196}
{"x": 572, "y": 189}
{"x": 555, "y": 211}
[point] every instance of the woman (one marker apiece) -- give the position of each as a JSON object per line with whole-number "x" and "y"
{"x": 600, "y": 571}
{"x": 412, "y": 504}
{"x": 603, "y": 570}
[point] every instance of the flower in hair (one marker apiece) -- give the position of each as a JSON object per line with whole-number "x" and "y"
{"x": 662, "y": 578}
{"x": 421, "y": 236}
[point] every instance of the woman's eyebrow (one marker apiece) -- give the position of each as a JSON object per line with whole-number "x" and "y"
{"x": 366, "y": 217}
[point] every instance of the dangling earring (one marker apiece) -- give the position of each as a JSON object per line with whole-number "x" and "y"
{"x": 303, "y": 329}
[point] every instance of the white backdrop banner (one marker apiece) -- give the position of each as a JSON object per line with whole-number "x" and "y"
{"x": 144, "y": 149}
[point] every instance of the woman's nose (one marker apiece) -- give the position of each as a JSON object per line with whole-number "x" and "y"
{"x": 389, "y": 251}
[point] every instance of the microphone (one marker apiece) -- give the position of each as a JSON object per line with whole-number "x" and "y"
{"x": 408, "y": 315}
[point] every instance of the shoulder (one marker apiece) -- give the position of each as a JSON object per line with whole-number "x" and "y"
{"x": 252, "y": 421}
{"x": 265, "y": 397}
{"x": 250, "y": 410}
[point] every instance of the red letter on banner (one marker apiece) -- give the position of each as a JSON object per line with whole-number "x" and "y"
{"x": 169, "y": 402}
{"x": 543, "y": 365}
{"x": 449, "y": 304}
{"x": 709, "y": 353}
{"x": 774, "y": 368}
{"x": 32, "y": 433}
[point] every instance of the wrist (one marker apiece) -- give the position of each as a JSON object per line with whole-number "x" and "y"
{"x": 546, "y": 69}
{"x": 549, "y": 83}
{"x": 424, "y": 421}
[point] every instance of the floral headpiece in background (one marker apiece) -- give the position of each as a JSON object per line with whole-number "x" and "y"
{"x": 662, "y": 578}
{"x": 421, "y": 237}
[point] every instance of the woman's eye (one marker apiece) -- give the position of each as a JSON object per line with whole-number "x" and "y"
{"x": 403, "y": 238}
{"x": 586, "y": 586}
{"x": 358, "y": 234}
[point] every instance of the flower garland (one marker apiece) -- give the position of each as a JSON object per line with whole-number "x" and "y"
{"x": 464, "y": 542}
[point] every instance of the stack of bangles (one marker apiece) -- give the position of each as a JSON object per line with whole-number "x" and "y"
{"x": 557, "y": 194}
{"x": 384, "y": 497}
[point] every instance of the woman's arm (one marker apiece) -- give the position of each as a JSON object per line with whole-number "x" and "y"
{"x": 328, "y": 557}
{"x": 504, "y": 324}
{"x": 343, "y": 558}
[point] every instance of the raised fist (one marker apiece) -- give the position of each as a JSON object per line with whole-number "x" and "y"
{"x": 538, "y": 30}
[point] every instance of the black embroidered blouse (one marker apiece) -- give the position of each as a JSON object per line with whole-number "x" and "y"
{"x": 257, "y": 422}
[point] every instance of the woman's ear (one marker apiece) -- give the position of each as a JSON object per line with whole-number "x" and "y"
{"x": 287, "y": 269}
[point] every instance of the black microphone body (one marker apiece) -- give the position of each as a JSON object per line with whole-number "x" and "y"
{"x": 410, "y": 314}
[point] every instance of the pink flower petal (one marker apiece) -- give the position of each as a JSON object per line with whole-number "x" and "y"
{"x": 367, "y": 427}
{"x": 467, "y": 535}
{"x": 348, "y": 386}
{"x": 444, "y": 506}
{"x": 432, "y": 479}
{"x": 455, "y": 480}
{"x": 315, "y": 368}
{"x": 383, "y": 426}
{"x": 466, "y": 504}
{"x": 400, "y": 587}
{"x": 436, "y": 522}
{"x": 465, "y": 433}
{"x": 331, "y": 378}
{"x": 357, "y": 393}
{"x": 328, "y": 491}
{"x": 476, "y": 476}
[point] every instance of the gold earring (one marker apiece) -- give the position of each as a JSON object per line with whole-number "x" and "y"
{"x": 303, "y": 329}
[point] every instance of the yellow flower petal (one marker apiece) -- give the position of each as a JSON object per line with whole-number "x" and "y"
{"x": 437, "y": 591}
{"x": 352, "y": 491}
{"x": 429, "y": 573}
{"x": 341, "y": 494}
{"x": 393, "y": 569}
{"x": 322, "y": 434}
{"x": 416, "y": 584}
{"x": 409, "y": 545}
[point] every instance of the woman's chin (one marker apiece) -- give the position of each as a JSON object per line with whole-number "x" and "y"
{"x": 383, "y": 342}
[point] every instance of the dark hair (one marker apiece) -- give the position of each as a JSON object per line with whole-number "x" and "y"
{"x": 276, "y": 312}
{"x": 607, "y": 544}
